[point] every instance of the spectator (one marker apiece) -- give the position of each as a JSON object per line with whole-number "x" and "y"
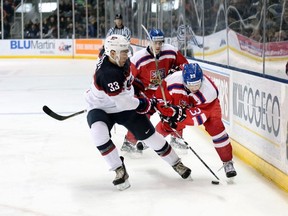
{"x": 69, "y": 28}
{"x": 63, "y": 25}
{"x": 7, "y": 28}
{"x": 32, "y": 31}
{"x": 92, "y": 27}
{"x": 45, "y": 26}
{"x": 8, "y": 8}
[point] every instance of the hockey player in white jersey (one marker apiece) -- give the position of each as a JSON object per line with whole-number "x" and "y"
{"x": 111, "y": 100}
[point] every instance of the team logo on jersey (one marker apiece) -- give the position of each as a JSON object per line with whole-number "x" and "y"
{"x": 157, "y": 76}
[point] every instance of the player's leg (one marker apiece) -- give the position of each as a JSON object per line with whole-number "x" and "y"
{"x": 143, "y": 130}
{"x": 175, "y": 140}
{"x": 222, "y": 144}
{"x": 100, "y": 126}
{"x": 129, "y": 143}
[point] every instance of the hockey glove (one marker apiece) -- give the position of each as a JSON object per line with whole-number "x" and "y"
{"x": 172, "y": 112}
{"x": 168, "y": 124}
{"x": 152, "y": 110}
{"x": 138, "y": 86}
{"x": 146, "y": 105}
{"x": 173, "y": 70}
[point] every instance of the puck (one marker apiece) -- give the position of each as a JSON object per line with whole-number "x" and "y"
{"x": 140, "y": 146}
{"x": 215, "y": 182}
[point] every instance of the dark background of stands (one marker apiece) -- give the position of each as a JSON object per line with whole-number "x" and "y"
{"x": 261, "y": 21}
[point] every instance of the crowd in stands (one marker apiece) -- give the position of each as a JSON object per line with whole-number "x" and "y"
{"x": 244, "y": 17}
{"x": 50, "y": 22}
{"x": 248, "y": 19}
{"x": 49, "y": 25}
{"x": 8, "y": 15}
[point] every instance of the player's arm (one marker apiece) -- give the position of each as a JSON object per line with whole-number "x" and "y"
{"x": 139, "y": 87}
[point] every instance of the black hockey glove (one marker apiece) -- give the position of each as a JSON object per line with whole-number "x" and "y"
{"x": 173, "y": 70}
{"x": 171, "y": 124}
{"x": 138, "y": 86}
{"x": 146, "y": 106}
{"x": 171, "y": 112}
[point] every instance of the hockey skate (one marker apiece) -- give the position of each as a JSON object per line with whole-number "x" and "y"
{"x": 182, "y": 170}
{"x": 121, "y": 179}
{"x": 229, "y": 169}
{"x": 178, "y": 145}
{"x": 129, "y": 147}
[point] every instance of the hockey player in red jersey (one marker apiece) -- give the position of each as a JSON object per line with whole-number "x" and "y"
{"x": 144, "y": 69}
{"x": 193, "y": 100}
{"x": 107, "y": 104}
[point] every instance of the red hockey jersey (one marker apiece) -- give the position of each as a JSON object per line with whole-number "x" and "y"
{"x": 143, "y": 66}
{"x": 199, "y": 106}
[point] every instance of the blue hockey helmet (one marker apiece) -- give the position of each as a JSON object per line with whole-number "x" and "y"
{"x": 156, "y": 35}
{"x": 192, "y": 75}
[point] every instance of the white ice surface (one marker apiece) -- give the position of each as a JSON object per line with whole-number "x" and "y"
{"x": 51, "y": 168}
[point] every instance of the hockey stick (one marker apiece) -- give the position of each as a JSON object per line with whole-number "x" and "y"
{"x": 195, "y": 153}
{"x": 156, "y": 63}
{"x": 54, "y": 115}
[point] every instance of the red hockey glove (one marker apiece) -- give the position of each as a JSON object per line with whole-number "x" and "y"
{"x": 172, "y": 112}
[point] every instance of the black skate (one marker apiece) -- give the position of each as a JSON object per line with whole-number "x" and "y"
{"x": 121, "y": 179}
{"x": 182, "y": 170}
{"x": 229, "y": 169}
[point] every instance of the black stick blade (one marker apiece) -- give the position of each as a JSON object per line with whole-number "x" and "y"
{"x": 52, "y": 114}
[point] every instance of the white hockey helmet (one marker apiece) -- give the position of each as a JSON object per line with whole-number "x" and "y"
{"x": 117, "y": 43}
